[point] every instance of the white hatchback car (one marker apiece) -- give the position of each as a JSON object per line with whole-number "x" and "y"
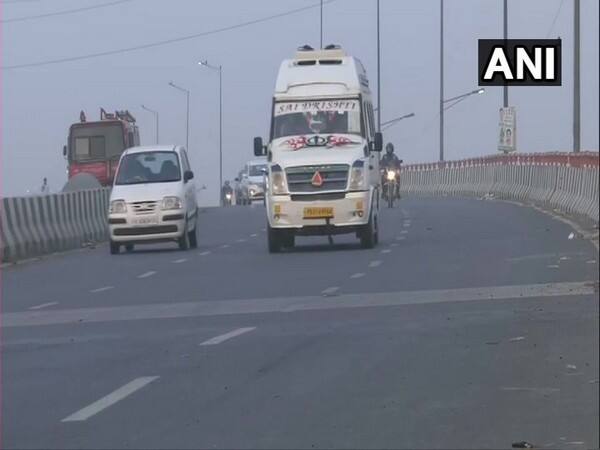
{"x": 153, "y": 199}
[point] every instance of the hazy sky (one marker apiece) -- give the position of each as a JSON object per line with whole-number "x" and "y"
{"x": 40, "y": 103}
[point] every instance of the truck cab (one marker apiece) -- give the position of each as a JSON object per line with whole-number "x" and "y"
{"x": 323, "y": 150}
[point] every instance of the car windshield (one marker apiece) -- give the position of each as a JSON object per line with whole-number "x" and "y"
{"x": 316, "y": 117}
{"x": 256, "y": 170}
{"x": 149, "y": 167}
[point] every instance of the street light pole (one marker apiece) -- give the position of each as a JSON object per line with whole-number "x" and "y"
{"x": 378, "y": 73}
{"x": 187, "y": 123}
{"x": 321, "y": 24}
{"x": 220, "y": 70}
{"x": 155, "y": 118}
{"x": 441, "y": 80}
{"x": 389, "y": 123}
{"x": 505, "y": 89}
{"x": 576, "y": 79}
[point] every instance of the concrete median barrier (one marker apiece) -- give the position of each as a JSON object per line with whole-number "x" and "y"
{"x": 565, "y": 182}
{"x": 37, "y": 225}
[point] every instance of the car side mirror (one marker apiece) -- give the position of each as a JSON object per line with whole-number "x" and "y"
{"x": 236, "y": 180}
{"x": 401, "y": 161}
{"x": 377, "y": 144}
{"x": 187, "y": 176}
{"x": 65, "y": 151}
{"x": 259, "y": 148}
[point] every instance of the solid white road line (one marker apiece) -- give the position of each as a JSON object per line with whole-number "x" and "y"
{"x": 224, "y": 337}
{"x": 207, "y": 252}
{"x": 375, "y": 263}
{"x": 109, "y": 400}
{"x": 330, "y": 290}
{"x": 43, "y": 305}
{"x": 102, "y": 289}
{"x": 357, "y": 275}
{"x": 179, "y": 261}
{"x": 147, "y": 274}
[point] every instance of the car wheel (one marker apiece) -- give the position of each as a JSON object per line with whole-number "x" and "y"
{"x": 274, "y": 240}
{"x": 114, "y": 248}
{"x": 129, "y": 247}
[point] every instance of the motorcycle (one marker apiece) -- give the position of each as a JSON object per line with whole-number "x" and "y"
{"x": 391, "y": 186}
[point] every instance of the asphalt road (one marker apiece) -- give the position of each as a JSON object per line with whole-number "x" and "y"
{"x": 474, "y": 324}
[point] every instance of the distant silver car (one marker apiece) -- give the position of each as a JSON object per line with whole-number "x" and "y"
{"x": 253, "y": 180}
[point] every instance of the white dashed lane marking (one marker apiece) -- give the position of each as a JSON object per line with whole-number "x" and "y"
{"x": 102, "y": 289}
{"x": 147, "y": 274}
{"x": 253, "y": 235}
{"x": 591, "y": 261}
{"x": 207, "y": 252}
{"x": 357, "y": 275}
{"x": 43, "y": 305}
{"x": 553, "y": 266}
{"x": 109, "y": 400}
{"x": 375, "y": 263}
{"x": 404, "y": 232}
{"x": 225, "y": 246}
{"x": 330, "y": 290}
{"x": 400, "y": 238}
{"x": 179, "y": 261}
{"x": 386, "y": 250}
{"x": 224, "y": 337}
{"x": 241, "y": 240}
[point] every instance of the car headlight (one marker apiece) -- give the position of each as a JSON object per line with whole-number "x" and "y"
{"x": 357, "y": 176}
{"x": 277, "y": 181}
{"x": 171, "y": 203}
{"x": 118, "y": 207}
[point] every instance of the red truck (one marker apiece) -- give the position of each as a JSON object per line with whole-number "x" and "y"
{"x": 95, "y": 147}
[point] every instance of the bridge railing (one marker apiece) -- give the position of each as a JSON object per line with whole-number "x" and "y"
{"x": 566, "y": 182}
{"x": 37, "y": 225}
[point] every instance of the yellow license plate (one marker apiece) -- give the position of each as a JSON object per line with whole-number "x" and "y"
{"x": 318, "y": 213}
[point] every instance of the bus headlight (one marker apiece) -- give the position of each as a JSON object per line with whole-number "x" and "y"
{"x": 277, "y": 181}
{"x": 357, "y": 176}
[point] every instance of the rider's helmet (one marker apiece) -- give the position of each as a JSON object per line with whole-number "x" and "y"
{"x": 227, "y": 183}
{"x": 389, "y": 148}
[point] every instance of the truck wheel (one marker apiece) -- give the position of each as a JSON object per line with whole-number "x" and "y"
{"x": 368, "y": 236}
{"x": 289, "y": 239}
{"x": 274, "y": 239}
{"x": 114, "y": 248}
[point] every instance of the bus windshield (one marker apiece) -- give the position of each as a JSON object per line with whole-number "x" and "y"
{"x": 96, "y": 142}
{"x": 316, "y": 117}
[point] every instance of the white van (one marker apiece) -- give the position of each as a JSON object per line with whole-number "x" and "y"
{"x": 323, "y": 176}
{"x": 153, "y": 199}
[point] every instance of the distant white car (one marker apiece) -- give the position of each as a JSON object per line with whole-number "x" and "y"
{"x": 253, "y": 180}
{"x": 153, "y": 199}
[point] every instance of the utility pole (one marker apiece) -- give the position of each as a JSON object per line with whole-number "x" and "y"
{"x": 441, "y": 80}
{"x": 378, "y": 73}
{"x": 576, "y": 79}
{"x": 505, "y": 90}
{"x": 321, "y": 24}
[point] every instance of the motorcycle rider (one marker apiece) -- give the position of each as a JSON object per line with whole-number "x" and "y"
{"x": 226, "y": 189}
{"x": 392, "y": 162}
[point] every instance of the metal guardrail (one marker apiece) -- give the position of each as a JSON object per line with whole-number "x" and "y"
{"x": 566, "y": 182}
{"x": 37, "y": 225}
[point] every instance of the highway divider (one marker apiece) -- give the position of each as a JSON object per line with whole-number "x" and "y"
{"x": 37, "y": 225}
{"x": 565, "y": 182}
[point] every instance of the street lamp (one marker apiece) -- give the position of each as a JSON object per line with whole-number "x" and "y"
{"x": 220, "y": 70}
{"x": 155, "y": 117}
{"x": 391, "y": 122}
{"x": 454, "y": 100}
{"x": 460, "y": 98}
{"x": 187, "y": 125}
